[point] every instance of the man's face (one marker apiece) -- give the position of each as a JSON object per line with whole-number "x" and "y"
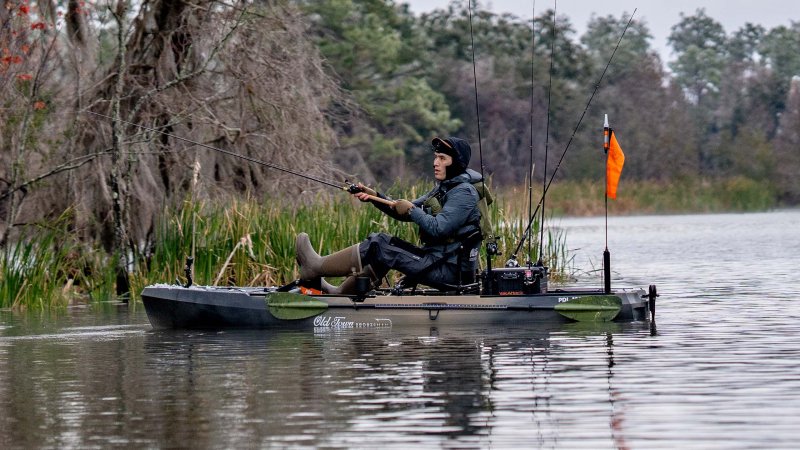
{"x": 440, "y": 163}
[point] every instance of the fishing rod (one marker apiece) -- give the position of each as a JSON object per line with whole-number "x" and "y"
{"x": 547, "y": 132}
{"x": 530, "y": 174}
{"x": 491, "y": 247}
{"x": 348, "y": 187}
{"x": 580, "y": 120}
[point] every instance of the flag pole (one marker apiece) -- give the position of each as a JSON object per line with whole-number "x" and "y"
{"x": 606, "y": 254}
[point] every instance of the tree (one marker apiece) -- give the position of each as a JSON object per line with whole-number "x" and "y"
{"x": 375, "y": 48}
{"x": 643, "y": 110}
{"x": 744, "y": 43}
{"x": 699, "y": 41}
{"x": 506, "y": 87}
{"x": 27, "y": 86}
{"x": 787, "y": 148}
{"x": 780, "y": 50}
{"x": 241, "y": 77}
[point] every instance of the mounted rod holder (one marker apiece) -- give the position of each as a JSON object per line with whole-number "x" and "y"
{"x": 187, "y": 270}
{"x": 651, "y": 296}
{"x": 607, "y": 271}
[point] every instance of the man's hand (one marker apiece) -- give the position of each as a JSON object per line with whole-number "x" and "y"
{"x": 367, "y": 190}
{"x": 365, "y": 193}
{"x": 403, "y": 207}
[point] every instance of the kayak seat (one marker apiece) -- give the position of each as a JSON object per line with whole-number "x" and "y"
{"x": 466, "y": 278}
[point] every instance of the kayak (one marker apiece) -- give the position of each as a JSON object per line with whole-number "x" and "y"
{"x": 176, "y": 306}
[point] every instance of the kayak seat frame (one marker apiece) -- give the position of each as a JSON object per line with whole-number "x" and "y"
{"x": 466, "y": 279}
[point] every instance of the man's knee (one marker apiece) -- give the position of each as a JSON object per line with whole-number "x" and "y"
{"x": 373, "y": 243}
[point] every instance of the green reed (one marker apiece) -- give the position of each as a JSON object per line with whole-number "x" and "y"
{"x": 236, "y": 242}
{"x": 246, "y": 242}
{"x": 47, "y": 266}
{"x": 686, "y": 195}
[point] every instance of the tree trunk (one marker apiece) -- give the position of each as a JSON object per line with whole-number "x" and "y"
{"x": 118, "y": 195}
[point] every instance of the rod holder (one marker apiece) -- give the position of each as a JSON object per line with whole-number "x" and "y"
{"x": 187, "y": 270}
{"x": 607, "y": 271}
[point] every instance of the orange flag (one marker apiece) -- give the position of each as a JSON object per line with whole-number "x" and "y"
{"x": 614, "y": 163}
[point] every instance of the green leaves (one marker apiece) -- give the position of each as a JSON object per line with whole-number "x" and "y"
{"x": 380, "y": 55}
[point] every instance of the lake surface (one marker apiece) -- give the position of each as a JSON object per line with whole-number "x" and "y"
{"x": 721, "y": 370}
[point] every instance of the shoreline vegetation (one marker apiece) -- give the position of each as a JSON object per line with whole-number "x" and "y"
{"x": 238, "y": 242}
{"x": 110, "y": 121}
{"x": 250, "y": 242}
{"x": 579, "y": 198}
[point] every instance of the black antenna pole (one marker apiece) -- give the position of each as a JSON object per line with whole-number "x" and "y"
{"x": 540, "y": 262}
{"x": 227, "y": 152}
{"x": 564, "y": 153}
{"x": 478, "y": 117}
{"x": 530, "y": 174}
{"x": 607, "y": 132}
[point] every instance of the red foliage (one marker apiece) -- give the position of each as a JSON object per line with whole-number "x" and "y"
{"x": 39, "y": 105}
{"x": 38, "y": 26}
{"x": 25, "y": 77}
{"x": 12, "y": 59}
{"x": 24, "y": 9}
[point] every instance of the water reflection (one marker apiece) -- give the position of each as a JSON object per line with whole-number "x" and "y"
{"x": 723, "y": 370}
{"x": 449, "y": 387}
{"x": 332, "y": 389}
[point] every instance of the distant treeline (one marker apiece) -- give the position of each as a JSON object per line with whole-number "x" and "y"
{"x": 355, "y": 89}
{"x": 727, "y": 107}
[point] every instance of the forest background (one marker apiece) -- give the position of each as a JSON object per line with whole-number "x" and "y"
{"x": 355, "y": 89}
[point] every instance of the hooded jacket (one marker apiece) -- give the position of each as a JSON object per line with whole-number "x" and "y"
{"x": 443, "y": 231}
{"x": 458, "y": 149}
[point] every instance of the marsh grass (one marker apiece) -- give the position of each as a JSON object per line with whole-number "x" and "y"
{"x": 249, "y": 242}
{"x": 245, "y": 242}
{"x": 46, "y": 266}
{"x": 585, "y": 198}
{"x": 238, "y": 242}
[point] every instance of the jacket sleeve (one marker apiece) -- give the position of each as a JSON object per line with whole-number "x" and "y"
{"x": 386, "y": 209}
{"x": 461, "y": 201}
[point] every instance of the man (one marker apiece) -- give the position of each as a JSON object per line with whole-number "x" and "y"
{"x": 446, "y": 217}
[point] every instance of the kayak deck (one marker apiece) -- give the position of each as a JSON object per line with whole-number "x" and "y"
{"x": 173, "y": 306}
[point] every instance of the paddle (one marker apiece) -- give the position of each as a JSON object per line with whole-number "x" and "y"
{"x": 591, "y": 308}
{"x": 291, "y": 306}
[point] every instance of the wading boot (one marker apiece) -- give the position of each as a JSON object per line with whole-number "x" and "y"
{"x": 312, "y": 266}
{"x": 348, "y": 286}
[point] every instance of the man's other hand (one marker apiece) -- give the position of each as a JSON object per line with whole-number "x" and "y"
{"x": 403, "y": 207}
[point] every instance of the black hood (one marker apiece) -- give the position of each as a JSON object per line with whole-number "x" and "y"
{"x": 458, "y": 149}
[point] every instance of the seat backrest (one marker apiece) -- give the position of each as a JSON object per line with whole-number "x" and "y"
{"x": 469, "y": 244}
{"x": 468, "y": 250}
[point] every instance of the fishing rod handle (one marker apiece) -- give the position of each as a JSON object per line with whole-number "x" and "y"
{"x": 386, "y": 202}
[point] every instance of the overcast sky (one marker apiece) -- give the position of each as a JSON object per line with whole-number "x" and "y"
{"x": 660, "y": 15}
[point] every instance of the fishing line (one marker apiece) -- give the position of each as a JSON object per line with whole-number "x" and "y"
{"x": 491, "y": 247}
{"x": 530, "y": 173}
{"x": 475, "y": 79}
{"x": 547, "y": 132}
{"x": 596, "y": 87}
{"x": 230, "y": 153}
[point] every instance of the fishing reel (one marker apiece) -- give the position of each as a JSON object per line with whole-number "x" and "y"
{"x": 512, "y": 262}
{"x": 352, "y": 188}
{"x": 492, "y": 248}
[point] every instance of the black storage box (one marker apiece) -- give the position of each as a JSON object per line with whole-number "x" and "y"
{"x": 517, "y": 281}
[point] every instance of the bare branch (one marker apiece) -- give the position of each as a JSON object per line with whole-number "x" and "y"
{"x": 69, "y": 165}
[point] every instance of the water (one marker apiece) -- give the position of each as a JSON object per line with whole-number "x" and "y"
{"x": 722, "y": 369}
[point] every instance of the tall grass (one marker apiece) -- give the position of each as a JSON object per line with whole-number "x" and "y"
{"x": 585, "y": 198}
{"x": 46, "y": 266}
{"x": 249, "y": 242}
{"x": 245, "y": 242}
